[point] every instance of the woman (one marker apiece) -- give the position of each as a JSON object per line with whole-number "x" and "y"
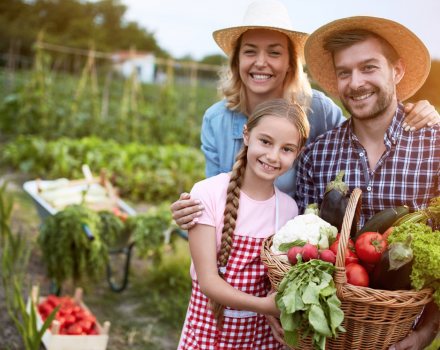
{"x": 265, "y": 61}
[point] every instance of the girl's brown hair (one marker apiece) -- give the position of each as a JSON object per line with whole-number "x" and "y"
{"x": 275, "y": 107}
{"x": 296, "y": 85}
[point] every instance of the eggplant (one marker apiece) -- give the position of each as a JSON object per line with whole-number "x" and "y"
{"x": 334, "y": 204}
{"x": 395, "y": 267}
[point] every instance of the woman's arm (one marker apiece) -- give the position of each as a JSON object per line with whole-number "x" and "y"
{"x": 202, "y": 243}
{"x": 419, "y": 115}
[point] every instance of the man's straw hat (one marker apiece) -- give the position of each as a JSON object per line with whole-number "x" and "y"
{"x": 408, "y": 46}
{"x": 266, "y": 14}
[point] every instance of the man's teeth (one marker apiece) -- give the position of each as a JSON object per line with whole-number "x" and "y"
{"x": 358, "y": 98}
{"x": 260, "y": 76}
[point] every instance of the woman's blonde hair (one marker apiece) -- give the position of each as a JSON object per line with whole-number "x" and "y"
{"x": 274, "y": 107}
{"x": 296, "y": 85}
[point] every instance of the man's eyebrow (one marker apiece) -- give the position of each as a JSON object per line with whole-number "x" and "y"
{"x": 368, "y": 60}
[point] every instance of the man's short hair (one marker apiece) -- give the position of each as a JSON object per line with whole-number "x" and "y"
{"x": 337, "y": 41}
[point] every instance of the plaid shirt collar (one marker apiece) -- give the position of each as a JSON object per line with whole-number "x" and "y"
{"x": 391, "y": 135}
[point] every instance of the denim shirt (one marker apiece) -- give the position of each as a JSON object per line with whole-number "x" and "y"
{"x": 222, "y": 136}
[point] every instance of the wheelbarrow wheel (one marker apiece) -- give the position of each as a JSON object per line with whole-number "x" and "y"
{"x": 111, "y": 279}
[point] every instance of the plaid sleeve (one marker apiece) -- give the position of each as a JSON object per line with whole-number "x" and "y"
{"x": 306, "y": 191}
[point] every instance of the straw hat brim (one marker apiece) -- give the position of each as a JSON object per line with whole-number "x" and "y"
{"x": 226, "y": 38}
{"x": 408, "y": 46}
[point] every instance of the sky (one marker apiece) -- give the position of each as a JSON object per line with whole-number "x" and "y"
{"x": 185, "y": 27}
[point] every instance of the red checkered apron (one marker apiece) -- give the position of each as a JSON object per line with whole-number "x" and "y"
{"x": 243, "y": 330}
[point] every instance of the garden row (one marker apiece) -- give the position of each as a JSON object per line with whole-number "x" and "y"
{"x": 141, "y": 172}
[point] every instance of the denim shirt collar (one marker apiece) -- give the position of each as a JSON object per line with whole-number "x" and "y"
{"x": 238, "y": 121}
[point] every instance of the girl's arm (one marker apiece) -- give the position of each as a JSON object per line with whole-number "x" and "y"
{"x": 419, "y": 115}
{"x": 203, "y": 247}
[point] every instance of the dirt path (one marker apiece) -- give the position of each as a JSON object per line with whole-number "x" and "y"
{"x": 132, "y": 325}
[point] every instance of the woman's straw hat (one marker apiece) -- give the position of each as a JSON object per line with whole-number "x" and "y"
{"x": 266, "y": 14}
{"x": 408, "y": 46}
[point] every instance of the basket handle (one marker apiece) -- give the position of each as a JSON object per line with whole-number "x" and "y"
{"x": 353, "y": 208}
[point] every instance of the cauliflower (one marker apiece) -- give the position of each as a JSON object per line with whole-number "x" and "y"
{"x": 308, "y": 228}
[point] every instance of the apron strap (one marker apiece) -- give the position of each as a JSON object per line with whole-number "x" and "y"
{"x": 276, "y": 210}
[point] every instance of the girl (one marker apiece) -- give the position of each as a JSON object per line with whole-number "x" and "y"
{"x": 265, "y": 61}
{"x": 242, "y": 208}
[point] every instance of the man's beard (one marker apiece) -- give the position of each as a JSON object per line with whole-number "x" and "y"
{"x": 385, "y": 97}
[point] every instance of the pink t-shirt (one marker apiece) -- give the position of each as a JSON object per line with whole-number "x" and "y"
{"x": 254, "y": 218}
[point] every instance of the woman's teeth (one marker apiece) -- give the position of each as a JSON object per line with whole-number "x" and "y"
{"x": 267, "y": 166}
{"x": 358, "y": 98}
{"x": 260, "y": 76}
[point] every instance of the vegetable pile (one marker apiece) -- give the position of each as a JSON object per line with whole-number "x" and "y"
{"x": 426, "y": 247}
{"x": 308, "y": 303}
{"x": 72, "y": 318}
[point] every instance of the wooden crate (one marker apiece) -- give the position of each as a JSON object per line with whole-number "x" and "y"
{"x": 70, "y": 342}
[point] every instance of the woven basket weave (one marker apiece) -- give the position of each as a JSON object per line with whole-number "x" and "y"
{"x": 374, "y": 319}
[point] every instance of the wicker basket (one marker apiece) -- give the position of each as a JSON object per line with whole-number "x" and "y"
{"x": 374, "y": 319}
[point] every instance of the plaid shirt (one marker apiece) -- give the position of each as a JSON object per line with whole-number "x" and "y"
{"x": 407, "y": 173}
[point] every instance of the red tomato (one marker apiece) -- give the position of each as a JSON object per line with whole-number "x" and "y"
{"x": 65, "y": 309}
{"x": 86, "y": 325}
{"x": 350, "y": 257}
{"x": 70, "y": 319}
{"x": 90, "y": 318}
{"x": 93, "y": 331}
{"x": 65, "y": 300}
{"x": 370, "y": 246}
{"x": 53, "y": 300}
{"x": 61, "y": 320}
{"x": 356, "y": 275}
{"x": 74, "y": 330}
{"x": 81, "y": 314}
{"x": 75, "y": 309}
{"x": 45, "y": 308}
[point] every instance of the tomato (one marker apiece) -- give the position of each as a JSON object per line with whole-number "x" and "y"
{"x": 74, "y": 330}
{"x": 93, "y": 331}
{"x": 356, "y": 275}
{"x": 45, "y": 308}
{"x": 75, "y": 309}
{"x": 370, "y": 246}
{"x": 65, "y": 300}
{"x": 81, "y": 314}
{"x": 90, "y": 318}
{"x": 66, "y": 310}
{"x": 86, "y": 325}
{"x": 61, "y": 320}
{"x": 350, "y": 257}
{"x": 53, "y": 300}
{"x": 70, "y": 319}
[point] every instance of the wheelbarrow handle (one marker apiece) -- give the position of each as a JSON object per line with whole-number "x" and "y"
{"x": 88, "y": 232}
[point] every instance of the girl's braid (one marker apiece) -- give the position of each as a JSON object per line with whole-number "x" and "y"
{"x": 230, "y": 213}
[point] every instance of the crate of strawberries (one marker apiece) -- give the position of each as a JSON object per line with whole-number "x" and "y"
{"x": 74, "y": 326}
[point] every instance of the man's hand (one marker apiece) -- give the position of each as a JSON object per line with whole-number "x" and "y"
{"x": 425, "y": 330}
{"x": 185, "y": 211}
{"x": 418, "y": 115}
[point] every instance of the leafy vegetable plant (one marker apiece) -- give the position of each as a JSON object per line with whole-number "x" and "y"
{"x": 308, "y": 303}
{"x": 426, "y": 248}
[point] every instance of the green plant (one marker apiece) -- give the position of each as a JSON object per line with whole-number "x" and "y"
{"x": 141, "y": 172}
{"x": 148, "y": 230}
{"x": 111, "y": 228}
{"x": 15, "y": 258}
{"x": 67, "y": 251}
{"x": 6, "y": 203}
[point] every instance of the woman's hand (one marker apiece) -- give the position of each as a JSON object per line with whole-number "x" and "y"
{"x": 185, "y": 211}
{"x": 420, "y": 114}
{"x": 277, "y": 330}
{"x": 269, "y": 305}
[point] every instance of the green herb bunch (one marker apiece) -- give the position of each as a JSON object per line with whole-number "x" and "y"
{"x": 111, "y": 228}
{"x": 308, "y": 303}
{"x": 67, "y": 251}
{"x": 147, "y": 230}
{"x": 426, "y": 248}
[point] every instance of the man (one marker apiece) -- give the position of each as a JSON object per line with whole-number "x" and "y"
{"x": 371, "y": 64}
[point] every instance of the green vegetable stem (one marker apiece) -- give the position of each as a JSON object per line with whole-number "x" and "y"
{"x": 308, "y": 303}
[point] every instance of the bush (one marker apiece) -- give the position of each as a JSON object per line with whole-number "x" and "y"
{"x": 141, "y": 172}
